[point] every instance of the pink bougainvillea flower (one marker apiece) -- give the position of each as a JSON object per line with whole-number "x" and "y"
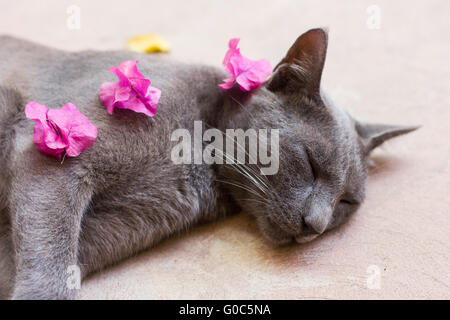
{"x": 248, "y": 74}
{"x": 60, "y": 132}
{"x": 132, "y": 91}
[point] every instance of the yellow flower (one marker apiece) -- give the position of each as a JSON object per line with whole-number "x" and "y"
{"x": 148, "y": 43}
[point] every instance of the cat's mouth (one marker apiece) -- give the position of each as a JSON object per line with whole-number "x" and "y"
{"x": 305, "y": 239}
{"x": 277, "y": 235}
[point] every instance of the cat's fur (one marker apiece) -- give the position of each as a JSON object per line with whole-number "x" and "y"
{"x": 124, "y": 194}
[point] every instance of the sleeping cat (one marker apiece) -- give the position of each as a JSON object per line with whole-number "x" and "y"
{"x": 124, "y": 194}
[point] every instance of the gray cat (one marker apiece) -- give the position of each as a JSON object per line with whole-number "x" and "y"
{"x": 124, "y": 194}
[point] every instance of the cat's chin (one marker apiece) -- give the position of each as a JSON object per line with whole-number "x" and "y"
{"x": 277, "y": 236}
{"x": 273, "y": 233}
{"x": 279, "y": 242}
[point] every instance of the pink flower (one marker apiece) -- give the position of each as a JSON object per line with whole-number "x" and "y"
{"x": 132, "y": 91}
{"x": 60, "y": 132}
{"x": 248, "y": 74}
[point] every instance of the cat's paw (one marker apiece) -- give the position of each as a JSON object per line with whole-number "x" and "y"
{"x": 41, "y": 293}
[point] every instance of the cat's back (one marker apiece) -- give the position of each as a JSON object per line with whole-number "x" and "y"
{"x": 127, "y": 142}
{"x": 54, "y": 77}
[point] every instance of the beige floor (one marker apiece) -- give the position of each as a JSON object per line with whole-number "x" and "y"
{"x": 397, "y": 74}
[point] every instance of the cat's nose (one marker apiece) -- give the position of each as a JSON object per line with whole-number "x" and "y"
{"x": 312, "y": 227}
{"x": 317, "y": 219}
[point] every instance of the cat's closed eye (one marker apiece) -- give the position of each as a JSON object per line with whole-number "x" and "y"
{"x": 347, "y": 202}
{"x": 313, "y": 166}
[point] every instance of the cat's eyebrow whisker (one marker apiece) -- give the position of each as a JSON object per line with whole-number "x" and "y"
{"x": 243, "y": 108}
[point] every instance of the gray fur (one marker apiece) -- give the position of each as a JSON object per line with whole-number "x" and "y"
{"x": 124, "y": 194}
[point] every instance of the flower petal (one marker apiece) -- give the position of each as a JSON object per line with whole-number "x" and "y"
{"x": 147, "y": 43}
{"x": 45, "y": 137}
{"x": 132, "y": 91}
{"x": 247, "y": 73}
{"x": 80, "y": 131}
{"x": 36, "y": 111}
{"x": 123, "y": 80}
{"x": 146, "y": 105}
{"x": 108, "y": 95}
{"x": 255, "y": 75}
{"x": 137, "y": 80}
{"x": 60, "y": 130}
{"x": 130, "y": 70}
{"x": 141, "y": 86}
{"x": 153, "y": 96}
{"x": 228, "y": 83}
{"x": 41, "y": 136}
{"x": 232, "y": 52}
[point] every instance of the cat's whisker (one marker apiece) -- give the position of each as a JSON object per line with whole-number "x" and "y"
{"x": 271, "y": 192}
{"x": 255, "y": 173}
{"x": 253, "y": 118}
{"x": 238, "y": 185}
{"x": 240, "y": 147}
{"x": 253, "y": 200}
{"x": 243, "y": 169}
{"x": 243, "y": 108}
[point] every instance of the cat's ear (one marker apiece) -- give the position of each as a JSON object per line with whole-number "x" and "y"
{"x": 302, "y": 66}
{"x": 372, "y": 135}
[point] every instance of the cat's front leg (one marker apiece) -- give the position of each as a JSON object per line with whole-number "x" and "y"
{"x": 6, "y": 257}
{"x": 47, "y": 204}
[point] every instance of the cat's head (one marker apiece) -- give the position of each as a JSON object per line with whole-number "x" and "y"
{"x": 323, "y": 151}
